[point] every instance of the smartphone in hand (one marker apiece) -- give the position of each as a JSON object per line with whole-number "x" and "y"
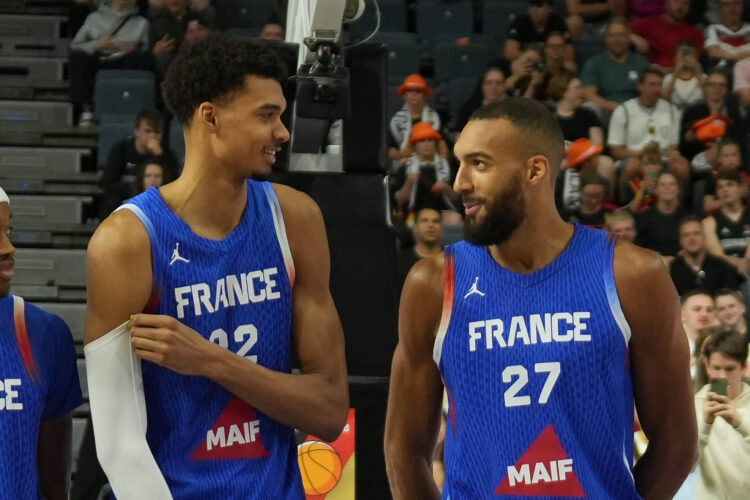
{"x": 719, "y": 386}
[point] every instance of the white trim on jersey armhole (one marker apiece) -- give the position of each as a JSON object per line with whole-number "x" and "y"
{"x": 278, "y": 223}
{"x": 449, "y": 283}
{"x": 614, "y": 306}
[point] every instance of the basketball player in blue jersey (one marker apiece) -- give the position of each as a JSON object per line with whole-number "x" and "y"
{"x": 199, "y": 294}
{"x": 38, "y": 389}
{"x": 544, "y": 334}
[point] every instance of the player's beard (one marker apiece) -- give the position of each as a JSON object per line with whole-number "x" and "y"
{"x": 505, "y": 213}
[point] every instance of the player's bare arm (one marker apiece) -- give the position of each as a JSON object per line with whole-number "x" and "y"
{"x": 118, "y": 270}
{"x": 53, "y": 457}
{"x": 660, "y": 364}
{"x": 411, "y": 436}
{"x": 315, "y": 401}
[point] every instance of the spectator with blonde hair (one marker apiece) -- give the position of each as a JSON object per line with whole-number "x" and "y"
{"x": 622, "y": 224}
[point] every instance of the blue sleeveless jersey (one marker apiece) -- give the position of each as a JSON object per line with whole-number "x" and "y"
{"x": 537, "y": 375}
{"x": 38, "y": 382}
{"x": 236, "y": 292}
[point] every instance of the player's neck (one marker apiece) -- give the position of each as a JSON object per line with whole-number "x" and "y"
{"x": 535, "y": 244}
{"x": 209, "y": 200}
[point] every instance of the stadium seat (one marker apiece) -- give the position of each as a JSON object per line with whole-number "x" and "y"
{"x": 498, "y": 16}
{"x": 17, "y": 161}
{"x": 452, "y": 233}
{"x": 48, "y": 267}
{"x": 584, "y": 50}
{"x": 403, "y": 60}
{"x": 124, "y": 94}
{"x": 388, "y": 37}
{"x": 242, "y": 13}
{"x": 394, "y": 101}
{"x": 434, "y": 18}
{"x": 392, "y": 19}
{"x": 62, "y": 209}
{"x": 244, "y": 32}
{"x": 456, "y": 61}
{"x": 109, "y": 134}
{"x": 459, "y": 90}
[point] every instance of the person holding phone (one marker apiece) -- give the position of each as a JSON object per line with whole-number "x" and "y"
{"x": 723, "y": 412}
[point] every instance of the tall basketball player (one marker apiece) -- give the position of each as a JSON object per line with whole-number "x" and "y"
{"x": 544, "y": 334}
{"x": 196, "y": 400}
{"x": 38, "y": 389}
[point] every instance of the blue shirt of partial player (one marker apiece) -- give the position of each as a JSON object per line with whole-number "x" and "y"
{"x": 42, "y": 388}
{"x": 236, "y": 292}
{"x": 537, "y": 372}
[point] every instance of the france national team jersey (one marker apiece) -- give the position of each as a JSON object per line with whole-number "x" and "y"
{"x": 236, "y": 292}
{"x": 537, "y": 374}
{"x": 38, "y": 382}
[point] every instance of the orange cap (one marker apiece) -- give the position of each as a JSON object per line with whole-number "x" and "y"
{"x": 581, "y": 150}
{"x": 422, "y": 131}
{"x": 711, "y": 128}
{"x": 415, "y": 82}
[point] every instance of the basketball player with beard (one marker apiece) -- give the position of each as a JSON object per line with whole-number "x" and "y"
{"x": 543, "y": 334}
{"x": 200, "y": 291}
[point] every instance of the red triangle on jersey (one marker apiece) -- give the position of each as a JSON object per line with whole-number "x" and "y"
{"x": 236, "y": 434}
{"x": 543, "y": 470}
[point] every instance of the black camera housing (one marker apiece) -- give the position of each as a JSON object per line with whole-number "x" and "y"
{"x": 323, "y": 92}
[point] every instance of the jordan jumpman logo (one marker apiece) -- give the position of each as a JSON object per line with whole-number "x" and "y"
{"x": 474, "y": 290}
{"x": 176, "y": 255}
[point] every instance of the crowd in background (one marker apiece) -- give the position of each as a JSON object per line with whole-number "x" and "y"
{"x": 655, "y": 126}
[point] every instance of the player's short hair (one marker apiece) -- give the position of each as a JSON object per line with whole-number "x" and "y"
{"x": 649, "y": 70}
{"x": 687, "y": 220}
{"x": 619, "y": 215}
{"x": 693, "y": 293}
{"x": 541, "y": 131}
{"x": 726, "y": 341}
{"x": 150, "y": 116}
{"x": 213, "y": 68}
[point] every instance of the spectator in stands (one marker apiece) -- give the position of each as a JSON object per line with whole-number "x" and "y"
{"x": 728, "y": 156}
{"x": 272, "y": 31}
{"x": 658, "y": 224}
{"x": 622, "y": 224}
{"x": 114, "y": 36}
{"x": 428, "y": 176}
{"x": 534, "y": 26}
{"x": 527, "y": 73}
{"x": 698, "y": 314}
{"x": 731, "y": 310}
{"x": 491, "y": 88}
{"x": 611, "y": 78}
{"x": 657, "y": 36}
{"x": 40, "y": 388}
{"x": 724, "y": 420}
{"x": 125, "y": 156}
{"x": 718, "y": 102}
{"x": 196, "y": 27}
{"x": 168, "y": 28}
{"x": 694, "y": 267}
{"x": 588, "y": 18}
{"x": 646, "y": 8}
{"x": 643, "y": 120}
{"x": 684, "y": 86}
{"x": 728, "y": 229}
{"x": 415, "y": 92}
{"x": 578, "y": 122}
{"x": 593, "y": 210}
{"x": 427, "y": 231}
{"x": 728, "y": 41}
{"x": 151, "y": 173}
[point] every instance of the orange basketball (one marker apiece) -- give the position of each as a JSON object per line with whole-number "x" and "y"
{"x": 320, "y": 467}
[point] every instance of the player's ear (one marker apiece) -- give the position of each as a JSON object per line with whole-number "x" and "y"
{"x": 538, "y": 169}
{"x": 207, "y": 115}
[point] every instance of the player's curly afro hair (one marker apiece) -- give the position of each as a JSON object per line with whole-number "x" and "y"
{"x": 211, "y": 69}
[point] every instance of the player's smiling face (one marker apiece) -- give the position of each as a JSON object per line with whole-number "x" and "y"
{"x": 250, "y": 131}
{"x": 490, "y": 180}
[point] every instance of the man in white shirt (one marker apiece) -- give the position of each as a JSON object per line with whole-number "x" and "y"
{"x": 729, "y": 39}
{"x": 642, "y": 120}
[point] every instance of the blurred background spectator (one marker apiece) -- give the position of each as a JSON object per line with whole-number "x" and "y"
{"x": 695, "y": 268}
{"x": 729, "y": 40}
{"x": 622, "y": 224}
{"x": 427, "y": 231}
{"x": 684, "y": 85}
{"x": 728, "y": 229}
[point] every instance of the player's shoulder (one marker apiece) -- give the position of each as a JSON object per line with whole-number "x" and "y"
{"x": 427, "y": 276}
{"x": 46, "y": 319}
{"x": 295, "y": 203}
{"x": 120, "y": 235}
{"x": 46, "y": 330}
{"x": 634, "y": 263}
